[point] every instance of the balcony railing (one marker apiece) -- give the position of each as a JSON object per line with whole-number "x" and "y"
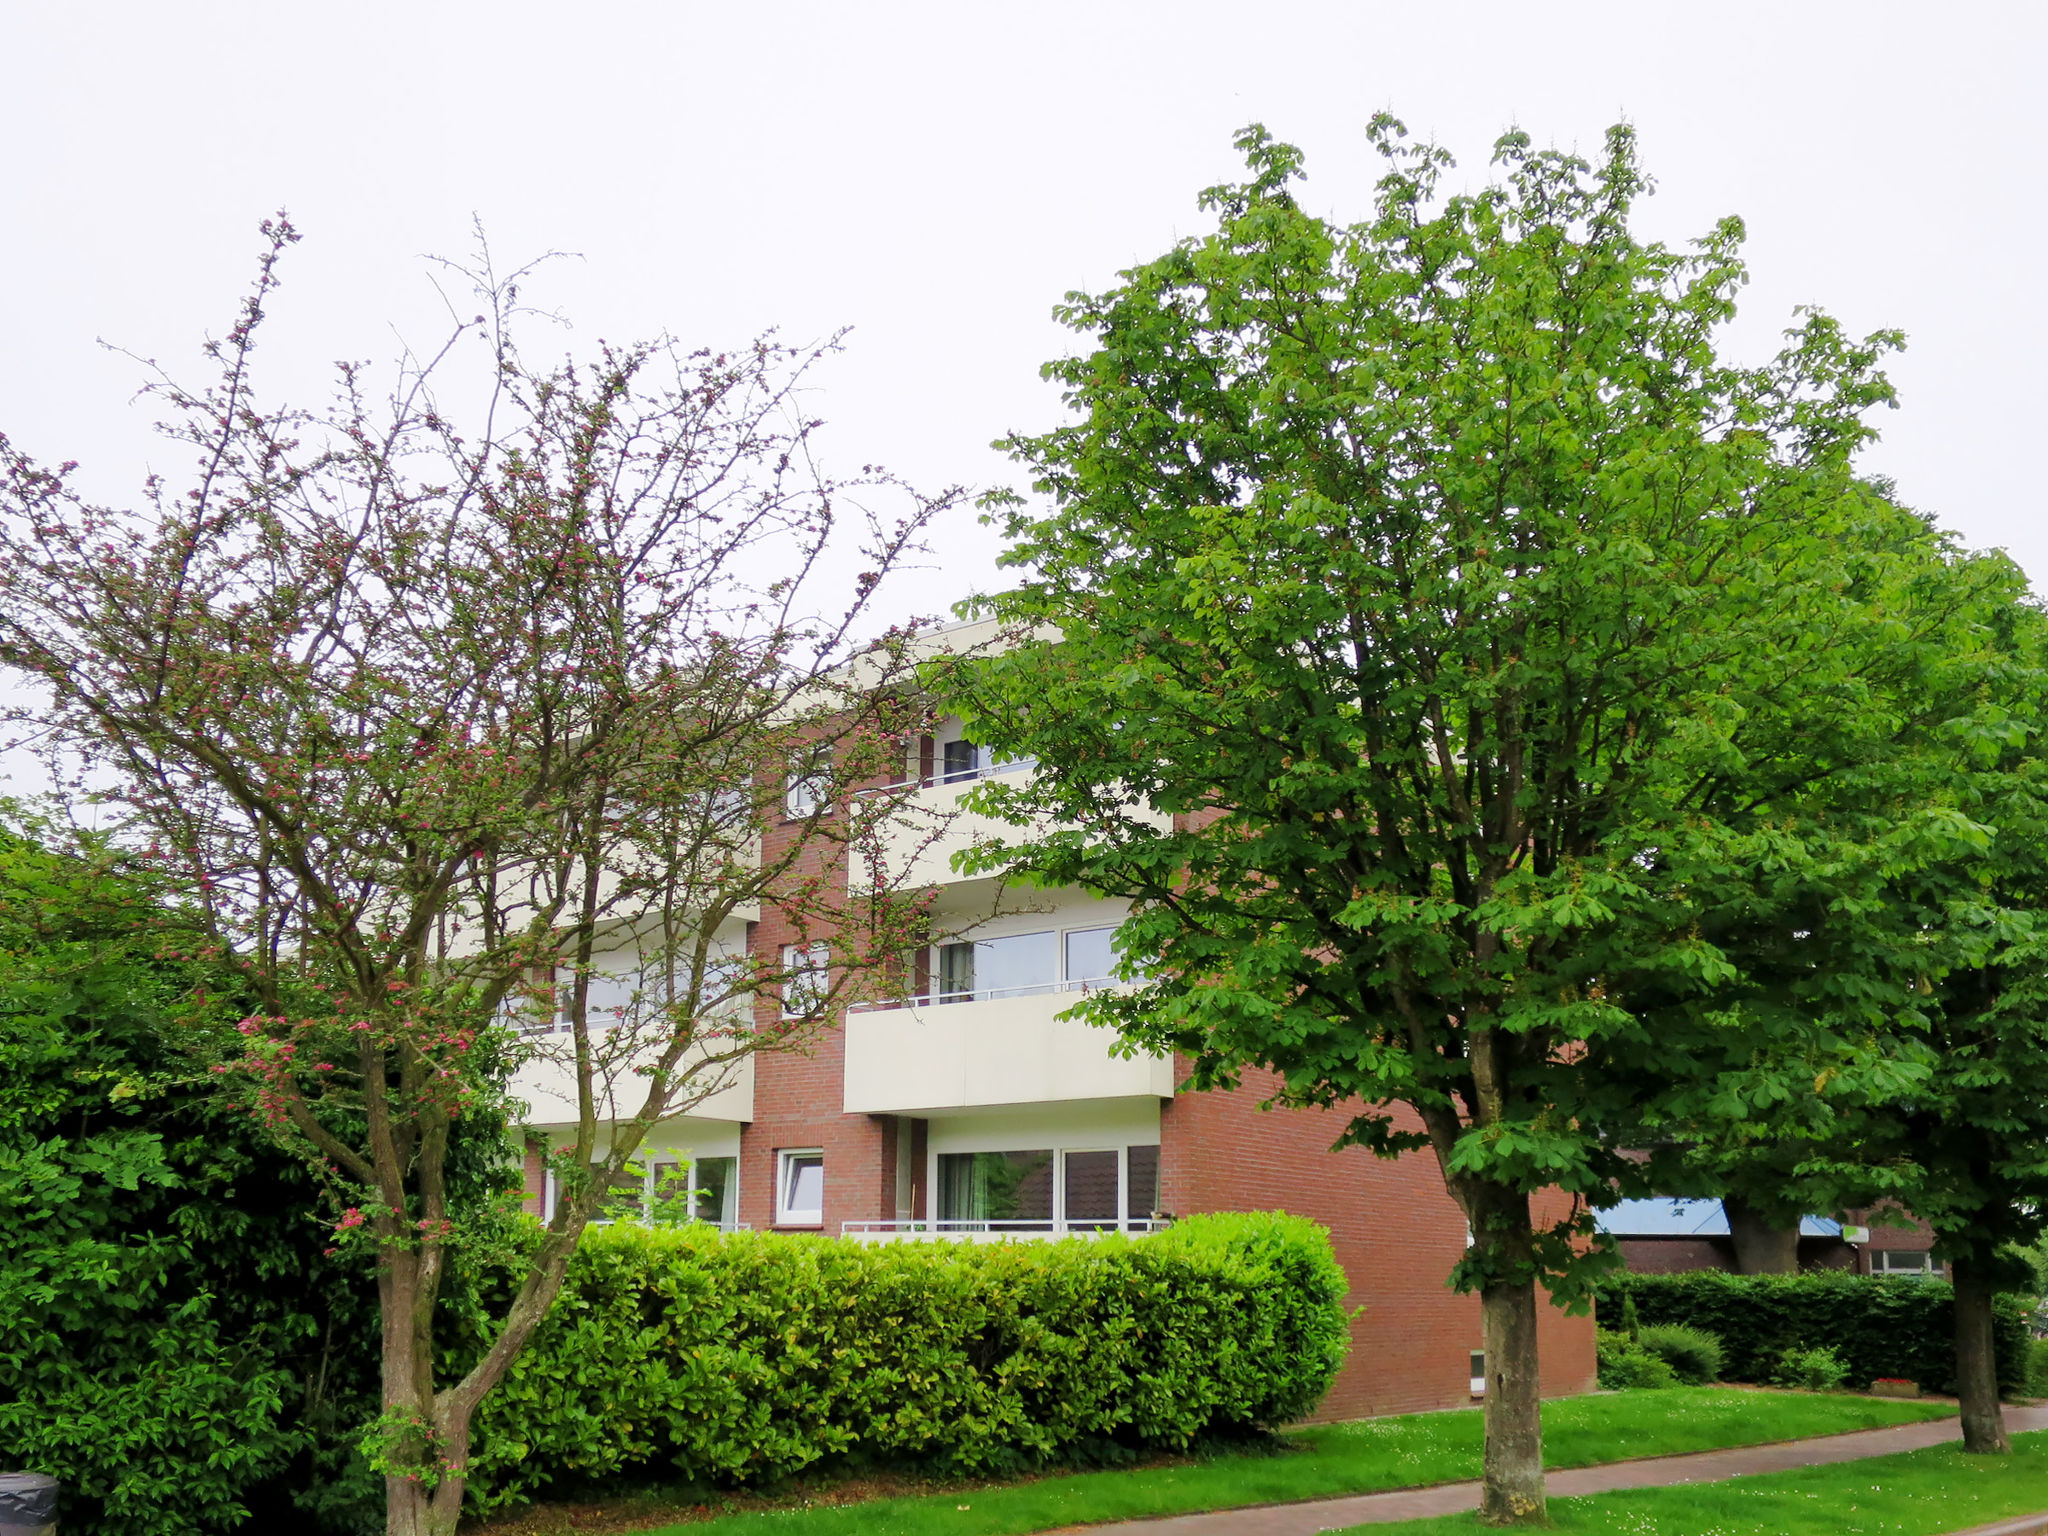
{"x": 642, "y": 1221}
{"x": 940, "y": 776}
{"x": 987, "y": 994}
{"x": 972, "y": 1229}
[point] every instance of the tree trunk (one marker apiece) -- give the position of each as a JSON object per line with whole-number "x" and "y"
{"x": 411, "y": 1509}
{"x": 1976, "y": 1361}
{"x": 1762, "y": 1247}
{"x": 420, "y": 1498}
{"x": 1514, "y": 1407}
{"x": 430, "y": 1505}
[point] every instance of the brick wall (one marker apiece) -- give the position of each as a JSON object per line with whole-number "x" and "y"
{"x": 1396, "y": 1230}
{"x": 536, "y": 1177}
{"x": 1891, "y": 1227}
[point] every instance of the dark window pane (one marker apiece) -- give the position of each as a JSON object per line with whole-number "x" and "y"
{"x": 1144, "y": 1181}
{"x": 716, "y": 1189}
{"x": 625, "y": 1196}
{"x": 1090, "y": 1183}
{"x": 956, "y": 972}
{"x": 963, "y": 759}
{"x": 995, "y": 1186}
{"x": 671, "y": 1190}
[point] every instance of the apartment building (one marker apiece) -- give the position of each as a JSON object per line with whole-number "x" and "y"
{"x": 967, "y": 1109}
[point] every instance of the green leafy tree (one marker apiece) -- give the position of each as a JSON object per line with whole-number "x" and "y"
{"x": 1466, "y": 614}
{"x": 424, "y": 713}
{"x": 178, "y": 1353}
{"x": 1945, "y": 946}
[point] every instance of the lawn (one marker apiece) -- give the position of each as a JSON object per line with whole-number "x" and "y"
{"x": 1919, "y": 1493}
{"x": 1322, "y": 1462}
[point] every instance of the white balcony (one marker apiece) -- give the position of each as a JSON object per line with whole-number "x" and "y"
{"x": 932, "y": 1057}
{"x": 547, "y": 1082}
{"x": 931, "y": 827}
{"x": 990, "y": 1231}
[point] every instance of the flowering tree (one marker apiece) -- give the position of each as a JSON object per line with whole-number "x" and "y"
{"x": 428, "y": 721}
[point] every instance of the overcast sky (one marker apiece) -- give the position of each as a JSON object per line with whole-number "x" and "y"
{"x": 936, "y": 176}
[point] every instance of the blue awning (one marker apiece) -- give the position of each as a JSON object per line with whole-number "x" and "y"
{"x": 1668, "y": 1216}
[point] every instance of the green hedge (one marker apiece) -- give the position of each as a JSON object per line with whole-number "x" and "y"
{"x": 681, "y": 1354}
{"x": 1879, "y": 1327}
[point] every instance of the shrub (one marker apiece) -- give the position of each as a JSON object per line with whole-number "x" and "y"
{"x": 2037, "y": 1374}
{"x": 1626, "y": 1365}
{"x": 1694, "y": 1355}
{"x": 1820, "y": 1369}
{"x": 683, "y": 1354}
{"x": 168, "y": 1323}
{"x": 1878, "y": 1327}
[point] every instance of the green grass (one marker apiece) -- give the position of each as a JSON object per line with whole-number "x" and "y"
{"x": 1919, "y": 1493}
{"x": 1332, "y": 1460}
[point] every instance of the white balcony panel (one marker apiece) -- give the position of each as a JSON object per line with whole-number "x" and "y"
{"x": 918, "y": 846}
{"x": 1012, "y": 1050}
{"x": 548, "y": 1085}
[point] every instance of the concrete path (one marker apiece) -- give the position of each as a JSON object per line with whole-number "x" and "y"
{"x": 1319, "y": 1515}
{"x": 2026, "y": 1525}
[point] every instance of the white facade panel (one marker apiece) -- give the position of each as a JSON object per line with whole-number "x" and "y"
{"x": 547, "y": 1083}
{"x": 1011, "y": 1050}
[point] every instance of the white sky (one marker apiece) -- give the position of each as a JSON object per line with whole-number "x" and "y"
{"x": 936, "y": 176}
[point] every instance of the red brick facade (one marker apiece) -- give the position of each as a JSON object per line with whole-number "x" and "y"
{"x": 1397, "y": 1233}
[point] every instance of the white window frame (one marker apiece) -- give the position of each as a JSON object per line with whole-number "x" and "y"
{"x": 1061, "y": 981}
{"x": 1059, "y": 1220}
{"x": 807, "y": 786}
{"x": 986, "y": 763}
{"x": 1119, "y": 1222}
{"x": 599, "y": 1019}
{"x": 668, "y": 1158}
{"x": 799, "y": 963}
{"x": 785, "y": 1160}
{"x": 1929, "y": 1268}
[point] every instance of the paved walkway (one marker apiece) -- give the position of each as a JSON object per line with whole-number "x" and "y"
{"x": 2026, "y": 1525}
{"x": 1319, "y": 1515}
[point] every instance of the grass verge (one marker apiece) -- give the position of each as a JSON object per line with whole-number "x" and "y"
{"x": 1919, "y": 1493}
{"x": 1322, "y": 1462}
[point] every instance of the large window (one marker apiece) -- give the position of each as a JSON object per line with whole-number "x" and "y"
{"x": 961, "y": 760}
{"x": 800, "y": 1188}
{"x": 1025, "y": 964}
{"x": 1090, "y": 958}
{"x": 704, "y": 1189}
{"x": 996, "y": 1186}
{"x": 1915, "y": 1263}
{"x": 1017, "y": 966}
{"x": 1076, "y": 1188}
{"x": 608, "y": 995}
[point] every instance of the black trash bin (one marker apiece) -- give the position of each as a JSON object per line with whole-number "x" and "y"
{"x": 28, "y": 1504}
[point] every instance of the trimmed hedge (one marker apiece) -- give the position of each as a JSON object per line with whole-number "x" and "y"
{"x": 1694, "y": 1355}
{"x": 682, "y": 1354}
{"x": 1625, "y": 1366}
{"x": 1879, "y": 1327}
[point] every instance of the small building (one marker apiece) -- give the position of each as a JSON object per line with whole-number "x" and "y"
{"x": 1669, "y": 1235}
